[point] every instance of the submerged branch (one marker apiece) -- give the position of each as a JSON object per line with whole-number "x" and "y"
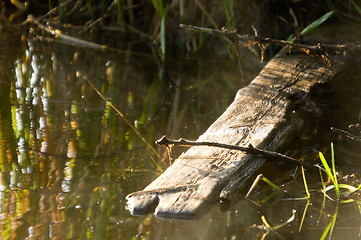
{"x": 164, "y": 141}
{"x": 73, "y": 41}
{"x": 346, "y": 134}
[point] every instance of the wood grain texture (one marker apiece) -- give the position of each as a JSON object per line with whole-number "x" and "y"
{"x": 261, "y": 114}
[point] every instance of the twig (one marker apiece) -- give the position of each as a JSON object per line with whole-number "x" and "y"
{"x": 164, "y": 141}
{"x": 257, "y": 39}
{"x": 69, "y": 39}
{"x": 321, "y": 50}
{"x": 56, "y": 33}
{"x": 347, "y": 134}
{"x": 163, "y": 190}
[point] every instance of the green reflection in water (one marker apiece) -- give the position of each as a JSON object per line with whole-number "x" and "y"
{"x": 67, "y": 159}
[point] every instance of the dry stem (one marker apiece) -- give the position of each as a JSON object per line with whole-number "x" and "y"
{"x": 321, "y": 50}
{"x": 164, "y": 141}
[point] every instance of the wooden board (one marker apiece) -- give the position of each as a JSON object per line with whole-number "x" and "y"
{"x": 263, "y": 114}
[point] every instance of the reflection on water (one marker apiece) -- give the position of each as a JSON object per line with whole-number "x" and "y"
{"x": 68, "y": 160}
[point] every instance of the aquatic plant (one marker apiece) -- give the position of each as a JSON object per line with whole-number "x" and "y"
{"x": 343, "y": 191}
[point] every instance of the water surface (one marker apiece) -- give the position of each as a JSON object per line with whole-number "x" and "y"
{"x": 68, "y": 159}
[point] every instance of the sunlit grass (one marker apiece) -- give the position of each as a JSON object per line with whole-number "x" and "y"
{"x": 315, "y": 24}
{"x": 305, "y": 182}
{"x": 266, "y": 180}
{"x": 268, "y": 228}
{"x": 343, "y": 193}
{"x": 331, "y": 173}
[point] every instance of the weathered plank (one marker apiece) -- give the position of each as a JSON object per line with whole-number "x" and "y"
{"x": 261, "y": 115}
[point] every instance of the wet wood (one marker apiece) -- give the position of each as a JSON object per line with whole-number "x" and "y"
{"x": 263, "y": 114}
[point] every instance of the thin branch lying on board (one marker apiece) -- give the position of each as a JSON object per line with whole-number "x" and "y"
{"x": 164, "y": 141}
{"x": 320, "y": 49}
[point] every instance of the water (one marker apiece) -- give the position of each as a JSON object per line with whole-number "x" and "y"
{"x": 68, "y": 159}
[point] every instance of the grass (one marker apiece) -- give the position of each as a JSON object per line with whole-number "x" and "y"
{"x": 229, "y": 13}
{"x": 312, "y": 26}
{"x": 124, "y": 10}
{"x": 332, "y": 174}
{"x": 343, "y": 194}
{"x": 348, "y": 189}
{"x": 161, "y": 10}
{"x": 316, "y": 23}
{"x": 268, "y": 228}
{"x": 330, "y": 227}
{"x": 345, "y": 10}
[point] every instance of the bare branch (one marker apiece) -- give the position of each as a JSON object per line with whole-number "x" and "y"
{"x": 346, "y": 134}
{"x": 164, "y": 141}
{"x": 320, "y": 49}
{"x": 257, "y": 39}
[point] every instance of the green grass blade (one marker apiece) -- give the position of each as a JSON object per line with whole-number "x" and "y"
{"x": 271, "y": 184}
{"x": 155, "y": 162}
{"x": 333, "y": 223}
{"x": 162, "y": 39}
{"x": 358, "y": 188}
{"x": 322, "y": 182}
{"x": 334, "y": 168}
{"x": 316, "y": 23}
{"x": 304, "y": 215}
{"x": 288, "y": 221}
{"x": 305, "y": 182}
{"x": 351, "y": 189}
{"x": 268, "y": 197}
{"x": 348, "y": 187}
{"x": 327, "y": 168}
{"x": 329, "y": 229}
{"x": 334, "y": 171}
{"x": 357, "y": 8}
{"x": 332, "y": 174}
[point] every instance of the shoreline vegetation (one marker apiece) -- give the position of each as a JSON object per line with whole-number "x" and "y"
{"x": 158, "y": 21}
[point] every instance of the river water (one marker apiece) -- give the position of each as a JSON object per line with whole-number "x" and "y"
{"x": 68, "y": 159}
